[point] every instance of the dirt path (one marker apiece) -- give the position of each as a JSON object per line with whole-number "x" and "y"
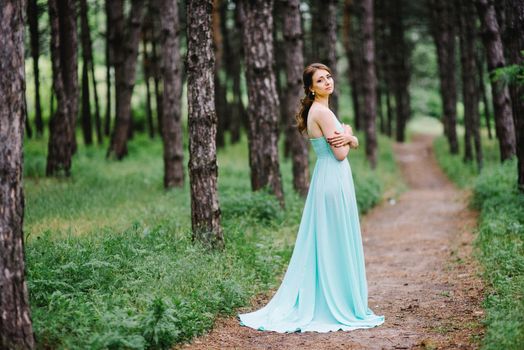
{"x": 419, "y": 270}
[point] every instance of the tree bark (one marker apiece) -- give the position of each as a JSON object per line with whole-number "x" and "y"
{"x": 172, "y": 115}
{"x": 514, "y": 43}
{"x": 85, "y": 115}
{"x": 62, "y": 144}
{"x": 369, "y": 82}
{"x": 504, "y": 126}
{"x": 16, "y": 330}
{"x": 205, "y": 210}
{"x": 469, "y": 83}
{"x": 257, "y": 28}
{"x": 32, "y": 17}
{"x": 294, "y": 63}
{"x": 443, "y": 32}
{"x": 125, "y": 59}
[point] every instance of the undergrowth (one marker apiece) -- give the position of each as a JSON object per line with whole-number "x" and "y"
{"x": 499, "y": 242}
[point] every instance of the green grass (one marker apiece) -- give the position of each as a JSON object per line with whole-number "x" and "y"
{"x": 499, "y": 243}
{"x": 110, "y": 260}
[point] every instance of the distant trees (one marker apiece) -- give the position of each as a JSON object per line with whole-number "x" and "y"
{"x": 172, "y": 92}
{"x": 205, "y": 212}
{"x": 64, "y": 54}
{"x": 501, "y": 99}
{"x": 263, "y": 110}
{"x": 16, "y": 330}
{"x": 125, "y": 55}
{"x": 442, "y": 26}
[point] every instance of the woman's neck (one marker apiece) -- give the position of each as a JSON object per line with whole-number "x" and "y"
{"x": 323, "y": 100}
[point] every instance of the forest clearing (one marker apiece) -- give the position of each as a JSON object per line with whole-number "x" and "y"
{"x": 159, "y": 158}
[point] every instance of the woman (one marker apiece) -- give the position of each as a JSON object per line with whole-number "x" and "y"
{"x": 324, "y": 288}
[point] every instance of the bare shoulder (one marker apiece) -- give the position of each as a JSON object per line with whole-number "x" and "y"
{"x": 318, "y": 113}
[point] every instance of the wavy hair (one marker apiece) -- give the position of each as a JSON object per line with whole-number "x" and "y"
{"x": 307, "y": 101}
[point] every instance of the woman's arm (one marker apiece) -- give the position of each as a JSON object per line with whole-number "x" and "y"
{"x": 345, "y": 138}
{"x": 327, "y": 124}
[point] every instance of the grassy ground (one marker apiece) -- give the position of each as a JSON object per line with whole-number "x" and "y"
{"x": 109, "y": 255}
{"x": 499, "y": 243}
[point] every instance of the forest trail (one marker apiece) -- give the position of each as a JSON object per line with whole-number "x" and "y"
{"x": 419, "y": 269}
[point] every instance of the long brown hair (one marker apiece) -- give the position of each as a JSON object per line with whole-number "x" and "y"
{"x": 307, "y": 101}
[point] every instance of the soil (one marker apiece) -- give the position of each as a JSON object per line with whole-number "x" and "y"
{"x": 419, "y": 266}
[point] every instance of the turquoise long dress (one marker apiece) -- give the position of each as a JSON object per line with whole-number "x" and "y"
{"x": 324, "y": 288}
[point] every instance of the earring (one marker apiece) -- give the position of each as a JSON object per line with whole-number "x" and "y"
{"x": 313, "y": 93}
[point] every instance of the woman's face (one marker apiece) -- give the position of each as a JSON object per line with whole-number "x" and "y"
{"x": 322, "y": 83}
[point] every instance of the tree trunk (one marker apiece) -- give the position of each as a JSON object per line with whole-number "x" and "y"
{"x": 205, "y": 211}
{"x": 514, "y": 43}
{"x": 501, "y": 98}
{"x": 16, "y": 331}
{"x": 257, "y": 29}
{"x": 232, "y": 56}
{"x": 220, "y": 86}
{"x": 294, "y": 63}
{"x": 400, "y": 70}
{"x": 469, "y": 83}
{"x": 87, "y": 130}
{"x": 369, "y": 81}
{"x": 172, "y": 115}
{"x": 62, "y": 144}
{"x": 324, "y": 35}
{"x": 110, "y": 33}
{"x": 353, "y": 53}
{"x": 125, "y": 59}
{"x": 442, "y": 28}
{"x": 483, "y": 94}
{"x": 146, "y": 69}
{"x": 32, "y": 17}
{"x": 87, "y": 56}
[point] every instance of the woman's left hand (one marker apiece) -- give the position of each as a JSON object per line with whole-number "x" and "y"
{"x": 341, "y": 139}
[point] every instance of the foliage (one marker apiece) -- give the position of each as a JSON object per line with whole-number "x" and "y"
{"x": 110, "y": 260}
{"x": 499, "y": 244}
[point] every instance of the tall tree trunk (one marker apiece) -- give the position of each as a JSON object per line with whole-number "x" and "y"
{"x": 125, "y": 58}
{"x": 442, "y": 28}
{"x": 232, "y": 56}
{"x": 351, "y": 43}
{"x": 294, "y": 59}
{"x": 469, "y": 83}
{"x": 172, "y": 73}
{"x": 87, "y": 56}
{"x": 16, "y": 330}
{"x": 369, "y": 81}
{"x": 110, "y": 33}
{"x": 205, "y": 210}
{"x": 220, "y": 87}
{"x": 146, "y": 69}
{"x": 514, "y": 43}
{"x": 62, "y": 16}
{"x": 483, "y": 94}
{"x": 501, "y": 98}
{"x": 257, "y": 30}
{"x": 85, "y": 115}
{"x": 32, "y": 17}
{"x": 400, "y": 69}
{"x": 324, "y": 32}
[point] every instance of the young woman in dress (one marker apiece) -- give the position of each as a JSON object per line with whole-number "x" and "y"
{"x": 324, "y": 288}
